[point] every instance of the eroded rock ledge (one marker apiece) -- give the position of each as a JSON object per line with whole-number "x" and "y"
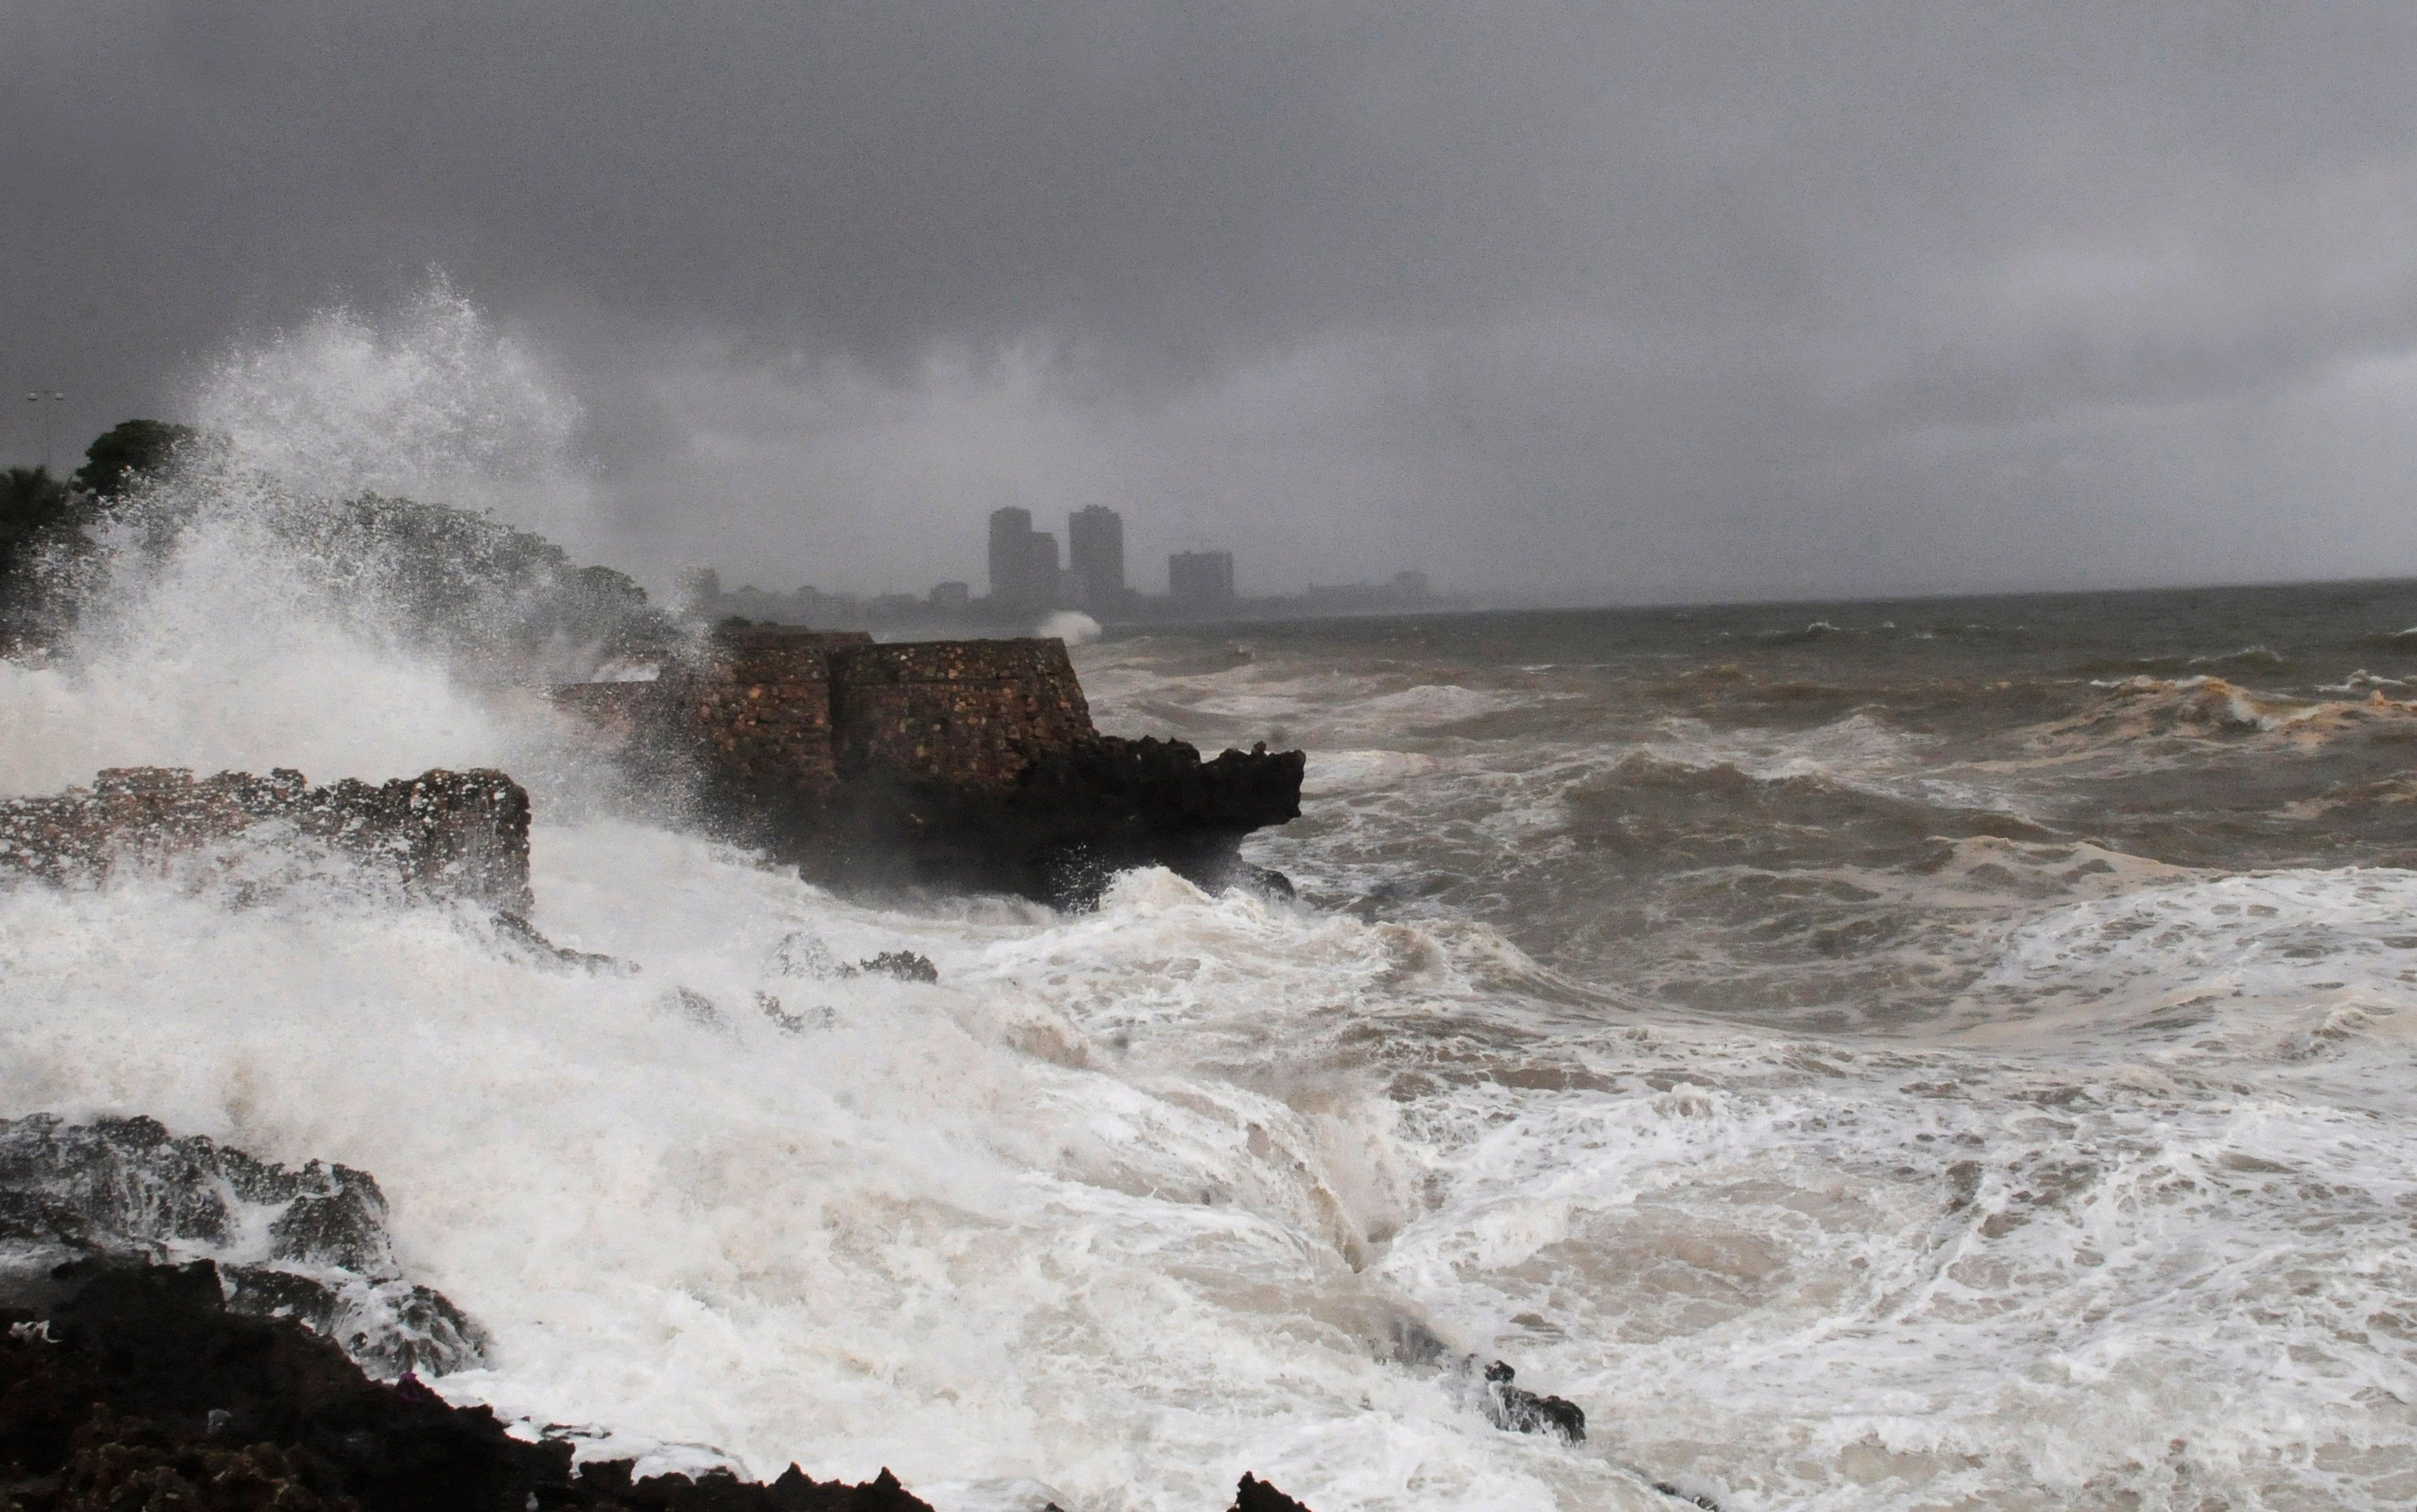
{"x": 964, "y": 763}
{"x": 439, "y": 835}
{"x": 310, "y": 1244}
{"x": 136, "y": 1388}
{"x": 183, "y": 1326}
{"x": 133, "y": 1386}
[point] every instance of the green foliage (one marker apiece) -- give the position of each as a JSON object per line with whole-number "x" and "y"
{"x": 30, "y": 499}
{"x": 502, "y": 601}
{"x": 128, "y": 450}
{"x": 485, "y": 592}
{"x": 39, "y": 542}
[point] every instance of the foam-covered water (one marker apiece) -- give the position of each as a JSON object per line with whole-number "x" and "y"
{"x": 1951, "y": 1056}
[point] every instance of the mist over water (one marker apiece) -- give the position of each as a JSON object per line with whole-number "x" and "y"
{"x": 1893, "y": 1057}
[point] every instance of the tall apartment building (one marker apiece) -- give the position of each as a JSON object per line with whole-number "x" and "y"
{"x": 1201, "y": 579}
{"x": 1095, "y": 548}
{"x": 1023, "y": 561}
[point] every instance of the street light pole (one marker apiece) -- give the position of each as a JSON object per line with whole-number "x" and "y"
{"x": 35, "y": 396}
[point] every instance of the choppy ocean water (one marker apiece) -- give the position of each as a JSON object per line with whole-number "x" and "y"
{"x": 1895, "y": 1055}
{"x": 1914, "y": 1055}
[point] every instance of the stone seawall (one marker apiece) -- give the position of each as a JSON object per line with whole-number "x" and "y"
{"x": 439, "y": 835}
{"x": 949, "y": 763}
{"x": 975, "y": 713}
{"x": 775, "y": 707}
{"x": 761, "y": 704}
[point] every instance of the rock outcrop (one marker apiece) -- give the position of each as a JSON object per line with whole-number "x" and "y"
{"x": 1522, "y": 1410}
{"x": 1255, "y": 1495}
{"x": 134, "y": 1388}
{"x": 439, "y": 835}
{"x": 969, "y": 764}
{"x": 128, "y": 1380}
{"x": 310, "y": 1244}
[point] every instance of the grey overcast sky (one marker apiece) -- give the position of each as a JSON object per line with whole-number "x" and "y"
{"x": 1558, "y": 301}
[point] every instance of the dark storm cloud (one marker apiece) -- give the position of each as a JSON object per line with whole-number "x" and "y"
{"x": 1559, "y": 298}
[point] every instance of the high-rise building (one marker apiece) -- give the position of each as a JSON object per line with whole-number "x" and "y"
{"x": 1023, "y": 562}
{"x": 1201, "y": 579}
{"x": 1010, "y": 549}
{"x": 1041, "y": 570}
{"x": 1095, "y": 545}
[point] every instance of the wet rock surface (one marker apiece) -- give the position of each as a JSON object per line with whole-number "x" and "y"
{"x": 310, "y": 1244}
{"x": 440, "y": 835}
{"x": 1065, "y": 827}
{"x": 1527, "y": 1412}
{"x": 134, "y": 1388}
{"x": 1255, "y": 1495}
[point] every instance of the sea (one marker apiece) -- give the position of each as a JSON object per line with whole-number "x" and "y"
{"x": 1954, "y": 1054}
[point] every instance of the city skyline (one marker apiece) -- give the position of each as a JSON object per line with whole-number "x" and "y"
{"x": 1028, "y": 579}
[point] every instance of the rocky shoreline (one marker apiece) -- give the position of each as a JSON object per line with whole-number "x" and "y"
{"x": 131, "y": 1386}
{"x": 135, "y": 1387}
{"x": 439, "y": 835}
{"x": 192, "y": 1327}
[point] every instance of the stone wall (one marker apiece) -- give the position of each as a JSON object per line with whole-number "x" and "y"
{"x": 967, "y": 713}
{"x": 440, "y": 834}
{"x": 781, "y": 709}
{"x": 760, "y": 703}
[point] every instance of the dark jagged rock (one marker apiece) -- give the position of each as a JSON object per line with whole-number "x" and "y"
{"x": 1255, "y": 1495}
{"x": 907, "y": 965}
{"x": 960, "y": 764}
{"x": 1526, "y": 1412}
{"x": 439, "y": 835}
{"x": 124, "y": 1190}
{"x": 526, "y": 936}
{"x": 135, "y": 1388}
{"x": 1671, "y": 1490}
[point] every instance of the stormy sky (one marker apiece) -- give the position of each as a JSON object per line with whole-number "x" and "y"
{"x": 1568, "y": 302}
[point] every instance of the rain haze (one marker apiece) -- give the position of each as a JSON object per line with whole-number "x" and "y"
{"x": 1557, "y": 303}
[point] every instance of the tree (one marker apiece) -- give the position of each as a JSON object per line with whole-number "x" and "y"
{"x": 128, "y": 450}
{"x": 30, "y": 498}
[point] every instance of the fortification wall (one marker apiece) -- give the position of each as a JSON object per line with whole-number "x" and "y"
{"x": 957, "y": 763}
{"x": 779, "y": 707}
{"x": 967, "y": 713}
{"x": 441, "y": 834}
{"x": 760, "y": 703}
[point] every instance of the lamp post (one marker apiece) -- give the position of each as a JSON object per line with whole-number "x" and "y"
{"x": 35, "y": 396}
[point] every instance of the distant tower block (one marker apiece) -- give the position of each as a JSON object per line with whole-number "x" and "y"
{"x": 1201, "y": 579}
{"x": 1095, "y": 539}
{"x": 1023, "y": 562}
{"x": 1010, "y": 556}
{"x": 1042, "y": 571}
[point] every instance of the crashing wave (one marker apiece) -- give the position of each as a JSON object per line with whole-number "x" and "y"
{"x": 310, "y": 1244}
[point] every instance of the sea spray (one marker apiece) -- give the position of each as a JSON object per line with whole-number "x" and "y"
{"x": 255, "y": 604}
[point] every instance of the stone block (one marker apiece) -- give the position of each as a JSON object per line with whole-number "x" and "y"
{"x": 441, "y": 834}
{"x": 966, "y": 713}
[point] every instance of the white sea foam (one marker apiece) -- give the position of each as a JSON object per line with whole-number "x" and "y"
{"x": 967, "y": 1232}
{"x": 430, "y": 400}
{"x": 1070, "y": 626}
{"x": 220, "y": 644}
